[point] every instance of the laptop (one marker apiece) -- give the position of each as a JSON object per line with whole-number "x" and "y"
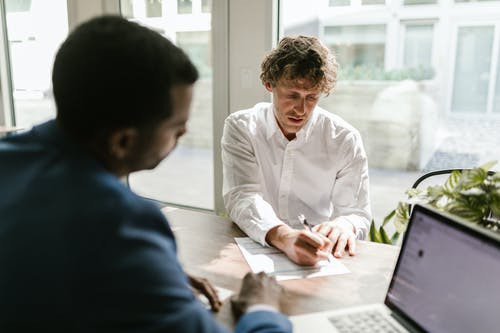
{"x": 446, "y": 280}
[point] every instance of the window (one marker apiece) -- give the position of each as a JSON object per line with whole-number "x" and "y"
{"x": 373, "y": 2}
{"x": 357, "y": 47}
{"x": 185, "y": 177}
{"x": 35, "y": 30}
{"x": 420, "y": 2}
{"x": 141, "y": 8}
{"x": 153, "y": 8}
{"x": 335, "y": 3}
{"x": 472, "y": 69}
{"x": 394, "y": 86}
{"x": 198, "y": 46}
{"x": 127, "y": 8}
{"x": 184, "y": 6}
{"x": 463, "y": 1}
{"x": 206, "y": 6}
{"x": 418, "y": 45}
{"x": 496, "y": 99}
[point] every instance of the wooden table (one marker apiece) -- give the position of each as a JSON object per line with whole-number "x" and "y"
{"x": 207, "y": 249}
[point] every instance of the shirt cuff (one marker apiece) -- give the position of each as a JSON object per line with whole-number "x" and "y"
{"x": 261, "y": 307}
{"x": 263, "y": 239}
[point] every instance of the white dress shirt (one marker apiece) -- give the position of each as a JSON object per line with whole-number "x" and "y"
{"x": 269, "y": 180}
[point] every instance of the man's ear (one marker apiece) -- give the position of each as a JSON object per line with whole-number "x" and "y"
{"x": 122, "y": 141}
{"x": 268, "y": 86}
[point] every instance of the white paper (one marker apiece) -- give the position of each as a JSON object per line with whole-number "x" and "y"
{"x": 223, "y": 294}
{"x": 274, "y": 262}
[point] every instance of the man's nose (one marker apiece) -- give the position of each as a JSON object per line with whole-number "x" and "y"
{"x": 300, "y": 107}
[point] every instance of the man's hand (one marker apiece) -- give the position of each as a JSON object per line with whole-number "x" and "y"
{"x": 257, "y": 289}
{"x": 202, "y": 286}
{"x": 301, "y": 246}
{"x": 341, "y": 234}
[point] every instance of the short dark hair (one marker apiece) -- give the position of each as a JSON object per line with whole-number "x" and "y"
{"x": 301, "y": 57}
{"x": 112, "y": 73}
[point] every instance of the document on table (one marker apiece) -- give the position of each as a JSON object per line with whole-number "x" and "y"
{"x": 223, "y": 294}
{"x": 272, "y": 261}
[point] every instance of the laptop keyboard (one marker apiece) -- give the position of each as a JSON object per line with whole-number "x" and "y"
{"x": 363, "y": 322}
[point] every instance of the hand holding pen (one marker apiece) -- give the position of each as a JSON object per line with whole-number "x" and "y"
{"x": 306, "y": 225}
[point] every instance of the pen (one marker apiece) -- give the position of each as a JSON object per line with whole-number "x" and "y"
{"x": 306, "y": 224}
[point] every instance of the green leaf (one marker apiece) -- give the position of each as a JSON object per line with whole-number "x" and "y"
{"x": 496, "y": 177}
{"x": 388, "y": 217}
{"x": 488, "y": 165}
{"x": 395, "y": 238}
{"x": 435, "y": 193}
{"x": 384, "y": 236}
{"x": 470, "y": 194}
{"x": 452, "y": 181}
{"x": 413, "y": 192}
{"x": 374, "y": 233}
{"x": 474, "y": 191}
{"x": 495, "y": 203}
{"x": 402, "y": 216}
{"x": 472, "y": 178}
{"x": 460, "y": 209}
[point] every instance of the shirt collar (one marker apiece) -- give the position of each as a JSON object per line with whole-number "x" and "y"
{"x": 270, "y": 122}
{"x": 273, "y": 128}
{"x": 307, "y": 129}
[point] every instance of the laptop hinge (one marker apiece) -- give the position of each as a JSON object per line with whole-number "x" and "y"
{"x": 405, "y": 323}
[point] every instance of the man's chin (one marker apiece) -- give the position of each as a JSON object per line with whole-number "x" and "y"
{"x": 293, "y": 129}
{"x": 148, "y": 166}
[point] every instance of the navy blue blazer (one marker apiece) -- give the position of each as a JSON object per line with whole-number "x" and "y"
{"x": 79, "y": 252}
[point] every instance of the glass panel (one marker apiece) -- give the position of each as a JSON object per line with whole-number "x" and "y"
{"x": 18, "y": 5}
{"x": 334, "y": 3}
{"x": 373, "y": 2}
{"x": 418, "y": 45}
{"x": 35, "y": 31}
{"x": 359, "y": 48}
{"x": 496, "y": 98}
{"x": 127, "y": 8}
{"x": 420, "y": 2}
{"x": 186, "y": 176}
{"x": 184, "y": 6}
{"x": 197, "y": 44}
{"x": 153, "y": 8}
{"x": 400, "y": 113}
{"x": 463, "y": 1}
{"x": 206, "y": 6}
{"x": 472, "y": 69}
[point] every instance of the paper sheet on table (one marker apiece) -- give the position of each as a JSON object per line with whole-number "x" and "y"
{"x": 274, "y": 262}
{"x": 223, "y": 294}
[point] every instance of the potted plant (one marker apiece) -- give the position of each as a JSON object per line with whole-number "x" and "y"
{"x": 471, "y": 194}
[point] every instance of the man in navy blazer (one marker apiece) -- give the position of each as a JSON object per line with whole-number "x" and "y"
{"x": 79, "y": 252}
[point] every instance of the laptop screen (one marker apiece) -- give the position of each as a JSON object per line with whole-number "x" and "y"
{"x": 447, "y": 277}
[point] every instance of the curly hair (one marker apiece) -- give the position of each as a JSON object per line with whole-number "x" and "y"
{"x": 301, "y": 57}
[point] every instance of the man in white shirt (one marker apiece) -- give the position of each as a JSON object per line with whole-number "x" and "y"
{"x": 292, "y": 157}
